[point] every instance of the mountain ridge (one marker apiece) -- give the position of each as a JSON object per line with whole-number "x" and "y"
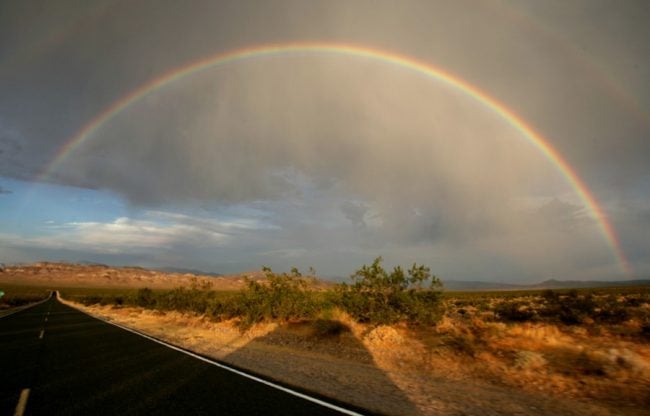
{"x": 546, "y": 284}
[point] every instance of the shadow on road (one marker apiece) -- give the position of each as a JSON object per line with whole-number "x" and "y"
{"x": 353, "y": 378}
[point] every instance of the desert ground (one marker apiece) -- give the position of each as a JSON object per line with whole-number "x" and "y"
{"x": 472, "y": 361}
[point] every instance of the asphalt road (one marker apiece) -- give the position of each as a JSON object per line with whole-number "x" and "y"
{"x": 57, "y": 360}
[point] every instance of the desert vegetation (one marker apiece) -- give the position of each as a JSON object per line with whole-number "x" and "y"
{"x": 591, "y": 345}
{"x": 375, "y": 296}
{"x": 587, "y": 344}
{"x": 622, "y": 310}
{"x": 16, "y": 296}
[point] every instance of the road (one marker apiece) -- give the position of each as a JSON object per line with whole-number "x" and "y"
{"x": 57, "y": 360}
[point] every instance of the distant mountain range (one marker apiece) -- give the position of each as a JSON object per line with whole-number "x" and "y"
{"x": 187, "y": 271}
{"x": 178, "y": 270}
{"x": 547, "y": 284}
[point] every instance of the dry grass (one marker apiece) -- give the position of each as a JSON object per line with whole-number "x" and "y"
{"x": 601, "y": 361}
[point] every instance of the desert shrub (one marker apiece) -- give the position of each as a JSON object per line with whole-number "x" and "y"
{"x": 462, "y": 341}
{"x": 570, "y": 309}
{"x": 222, "y": 307}
{"x": 144, "y": 297}
{"x": 99, "y": 299}
{"x": 285, "y": 296}
{"x": 377, "y": 296}
{"x": 91, "y": 300}
{"x": 612, "y": 315}
{"x": 21, "y": 296}
{"x": 183, "y": 299}
{"x": 13, "y": 302}
{"x": 568, "y": 316}
{"x": 633, "y": 302}
{"x": 107, "y": 300}
{"x": 513, "y": 311}
{"x": 550, "y": 296}
{"x": 584, "y": 305}
{"x": 482, "y": 305}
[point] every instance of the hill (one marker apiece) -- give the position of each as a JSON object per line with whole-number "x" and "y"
{"x": 98, "y": 275}
{"x": 547, "y": 284}
{"x": 62, "y": 274}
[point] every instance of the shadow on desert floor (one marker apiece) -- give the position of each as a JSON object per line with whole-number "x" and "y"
{"x": 335, "y": 365}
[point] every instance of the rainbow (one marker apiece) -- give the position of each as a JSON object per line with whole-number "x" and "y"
{"x": 395, "y": 59}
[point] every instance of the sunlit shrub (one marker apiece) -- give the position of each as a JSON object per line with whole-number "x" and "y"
{"x": 377, "y": 296}
{"x": 285, "y": 296}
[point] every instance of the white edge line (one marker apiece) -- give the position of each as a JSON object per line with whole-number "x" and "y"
{"x": 22, "y": 402}
{"x": 27, "y": 307}
{"x": 232, "y": 370}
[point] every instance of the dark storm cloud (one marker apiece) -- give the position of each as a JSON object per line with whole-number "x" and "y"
{"x": 83, "y": 56}
{"x": 325, "y": 143}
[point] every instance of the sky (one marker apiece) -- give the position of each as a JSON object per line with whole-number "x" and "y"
{"x": 323, "y": 158}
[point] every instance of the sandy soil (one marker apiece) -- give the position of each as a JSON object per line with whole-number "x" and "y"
{"x": 393, "y": 370}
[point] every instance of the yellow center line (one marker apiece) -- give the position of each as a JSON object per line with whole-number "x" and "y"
{"x": 22, "y": 403}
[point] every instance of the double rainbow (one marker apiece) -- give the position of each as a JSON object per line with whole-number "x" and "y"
{"x": 405, "y": 62}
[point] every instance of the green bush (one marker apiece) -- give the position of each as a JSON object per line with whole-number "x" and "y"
{"x": 145, "y": 298}
{"x": 377, "y": 296}
{"x": 282, "y": 297}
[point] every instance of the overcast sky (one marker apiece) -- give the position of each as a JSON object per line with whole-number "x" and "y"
{"x": 327, "y": 160}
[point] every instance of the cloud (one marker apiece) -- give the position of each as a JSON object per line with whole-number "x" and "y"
{"x": 121, "y": 236}
{"x": 339, "y": 156}
{"x": 4, "y": 191}
{"x": 415, "y": 165}
{"x": 355, "y": 212}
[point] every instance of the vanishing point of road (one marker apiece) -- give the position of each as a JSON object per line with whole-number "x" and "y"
{"x": 56, "y": 360}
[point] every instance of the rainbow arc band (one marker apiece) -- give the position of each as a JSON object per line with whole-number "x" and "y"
{"x": 395, "y": 59}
